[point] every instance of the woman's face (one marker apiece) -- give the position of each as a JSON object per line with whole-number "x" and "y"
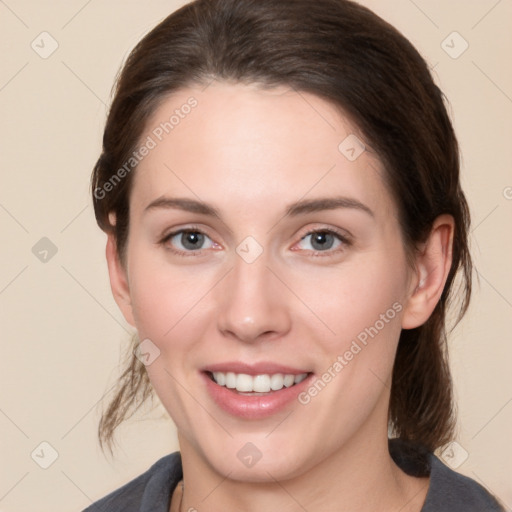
{"x": 264, "y": 249}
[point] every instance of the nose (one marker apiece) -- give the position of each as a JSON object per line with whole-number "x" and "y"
{"x": 253, "y": 302}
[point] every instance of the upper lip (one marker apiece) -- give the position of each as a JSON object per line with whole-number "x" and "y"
{"x": 254, "y": 368}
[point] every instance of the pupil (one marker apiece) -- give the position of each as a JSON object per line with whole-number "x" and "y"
{"x": 192, "y": 240}
{"x": 323, "y": 240}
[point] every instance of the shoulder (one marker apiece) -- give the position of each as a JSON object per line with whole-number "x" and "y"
{"x": 149, "y": 491}
{"x": 452, "y": 491}
{"x": 448, "y": 491}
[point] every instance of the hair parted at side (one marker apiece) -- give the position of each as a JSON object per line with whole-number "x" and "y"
{"x": 347, "y": 55}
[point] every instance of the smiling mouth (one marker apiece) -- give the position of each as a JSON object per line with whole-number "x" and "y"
{"x": 255, "y": 385}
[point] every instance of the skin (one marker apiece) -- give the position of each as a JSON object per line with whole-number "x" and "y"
{"x": 250, "y": 152}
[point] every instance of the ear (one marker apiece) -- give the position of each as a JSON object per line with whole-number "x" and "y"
{"x": 119, "y": 280}
{"x": 433, "y": 263}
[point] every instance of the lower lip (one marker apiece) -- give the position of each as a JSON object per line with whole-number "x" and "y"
{"x": 254, "y": 407}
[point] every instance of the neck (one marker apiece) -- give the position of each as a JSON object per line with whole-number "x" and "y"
{"x": 360, "y": 476}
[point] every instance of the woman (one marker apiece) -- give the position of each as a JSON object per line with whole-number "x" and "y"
{"x": 279, "y": 183}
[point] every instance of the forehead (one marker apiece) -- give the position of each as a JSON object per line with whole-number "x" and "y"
{"x": 234, "y": 143}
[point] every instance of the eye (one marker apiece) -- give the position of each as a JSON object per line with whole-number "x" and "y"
{"x": 323, "y": 240}
{"x": 187, "y": 241}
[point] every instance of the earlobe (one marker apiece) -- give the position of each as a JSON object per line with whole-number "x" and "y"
{"x": 119, "y": 280}
{"x": 433, "y": 265}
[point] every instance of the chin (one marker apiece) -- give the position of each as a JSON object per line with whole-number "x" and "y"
{"x": 243, "y": 461}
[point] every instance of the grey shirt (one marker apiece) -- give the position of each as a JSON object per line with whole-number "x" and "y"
{"x": 448, "y": 491}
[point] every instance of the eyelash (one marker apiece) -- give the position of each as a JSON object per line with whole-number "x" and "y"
{"x": 345, "y": 241}
{"x": 343, "y": 238}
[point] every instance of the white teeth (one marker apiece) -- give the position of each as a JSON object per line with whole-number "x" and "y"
{"x": 263, "y": 383}
{"x": 289, "y": 380}
{"x": 300, "y": 378}
{"x": 276, "y": 381}
{"x": 243, "y": 382}
{"x": 230, "y": 380}
{"x": 220, "y": 378}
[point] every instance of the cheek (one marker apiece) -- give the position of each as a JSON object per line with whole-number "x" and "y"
{"x": 167, "y": 302}
{"x": 355, "y": 300}
{"x": 363, "y": 308}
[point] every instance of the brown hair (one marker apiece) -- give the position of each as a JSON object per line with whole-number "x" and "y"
{"x": 345, "y": 54}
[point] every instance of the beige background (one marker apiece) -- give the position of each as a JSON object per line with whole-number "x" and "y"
{"x": 61, "y": 330}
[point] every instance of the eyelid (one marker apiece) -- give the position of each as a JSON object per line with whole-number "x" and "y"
{"x": 174, "y": 231}
{"x": 343, "y": 236}
{"x": 166, "y": 237}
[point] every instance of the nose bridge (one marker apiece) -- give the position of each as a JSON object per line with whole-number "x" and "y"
{"x": 252, "y": 300}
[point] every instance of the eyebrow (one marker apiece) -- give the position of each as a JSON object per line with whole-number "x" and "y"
{"x": 326, "y": 203}
{"x": 188, "y": 205}
{"x": 301, "y": 207}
